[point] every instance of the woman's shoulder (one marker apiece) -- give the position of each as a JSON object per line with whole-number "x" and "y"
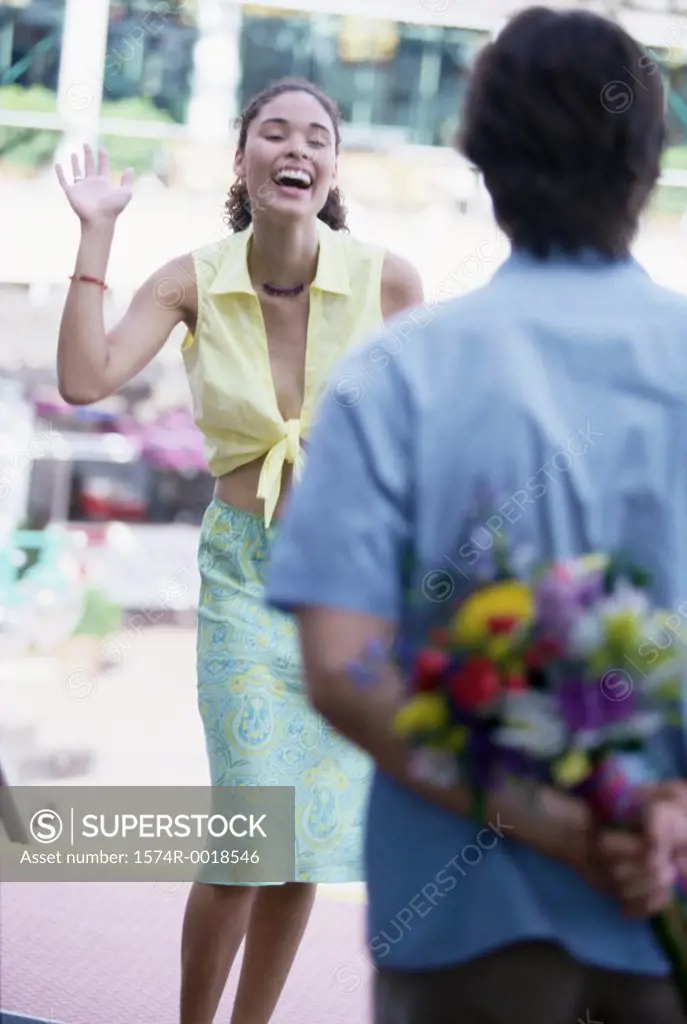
{"x": 358, "y": 249}
{"x": 398, "y": 273}
{"x": 402, "y": 286}
{"x": 398, "y": 279}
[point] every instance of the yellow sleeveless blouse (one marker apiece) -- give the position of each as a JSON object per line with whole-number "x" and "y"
{"x": 227, "y": 359}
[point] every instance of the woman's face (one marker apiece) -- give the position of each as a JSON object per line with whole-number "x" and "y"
{"x": 289, "y": 161}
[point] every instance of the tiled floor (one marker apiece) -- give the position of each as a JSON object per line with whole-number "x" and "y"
{"x": 108, "y": 953}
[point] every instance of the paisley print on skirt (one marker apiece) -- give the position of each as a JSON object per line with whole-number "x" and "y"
{"x": 259, "y": 727}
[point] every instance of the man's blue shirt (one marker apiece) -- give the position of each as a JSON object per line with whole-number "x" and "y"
{"x": 560, "y": 389}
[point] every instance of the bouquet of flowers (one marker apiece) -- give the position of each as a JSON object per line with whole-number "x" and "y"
{"x": 548, "y": 679}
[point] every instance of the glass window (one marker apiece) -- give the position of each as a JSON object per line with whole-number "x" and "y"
{"x": 382, "y": 74}
{"x": 30, "y": 47}
{"x": 390, "y": 79}
{"x": 149, "y": 49}
{"x": 150, "y": 53}
{"x": 30, "y": 43}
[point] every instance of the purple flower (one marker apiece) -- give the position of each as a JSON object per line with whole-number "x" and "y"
{"x": 556, "y": 607}
{"x": 589, "y": 588}
{"x": 584, "y": 706}
{"x": 561, "y": 599}
{"x": 610, "y": 792}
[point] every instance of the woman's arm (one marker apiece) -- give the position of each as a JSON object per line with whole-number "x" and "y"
{"x": 93, "y": 363}
{"x": 401, "y": 286}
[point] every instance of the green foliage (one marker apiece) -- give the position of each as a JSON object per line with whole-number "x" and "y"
{"x": 140, "y": 154}
{"x": 620, "y": 568}
{"x": 100, "y": 618}
{"x": 669, "y": 201}
{"x": 31, "y": 149}
{"x": 675, "y": 158}
{"x": 22, "y": 147}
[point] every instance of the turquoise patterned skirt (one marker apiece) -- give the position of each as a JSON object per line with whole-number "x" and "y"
{"x": 259, "y": 727}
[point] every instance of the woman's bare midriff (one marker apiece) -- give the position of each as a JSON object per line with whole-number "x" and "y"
{"x": 240, "y": 488}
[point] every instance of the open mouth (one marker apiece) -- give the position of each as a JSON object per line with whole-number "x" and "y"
{"x": 293, "y": 178}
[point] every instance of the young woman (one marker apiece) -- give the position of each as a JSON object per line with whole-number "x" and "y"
{"x": 268, "y": 312}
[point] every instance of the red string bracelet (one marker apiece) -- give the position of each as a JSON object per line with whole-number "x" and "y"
{"x": 88, "y": 280}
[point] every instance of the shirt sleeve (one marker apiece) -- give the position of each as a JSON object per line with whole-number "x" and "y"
{"x": 347, "y": 522}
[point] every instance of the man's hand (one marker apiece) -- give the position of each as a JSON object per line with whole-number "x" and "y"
{"x": 642, "y": 867}
{"x": 639, "y": 875}
{"x": 672, "y": 790}
{"x": 666, "y": 804}
{"x": 637, "y": 868}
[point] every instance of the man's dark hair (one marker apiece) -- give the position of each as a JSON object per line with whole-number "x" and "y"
{"x": 565, "y": 118}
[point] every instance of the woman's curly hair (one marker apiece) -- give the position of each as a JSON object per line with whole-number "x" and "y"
{"x": 237, "y": 209}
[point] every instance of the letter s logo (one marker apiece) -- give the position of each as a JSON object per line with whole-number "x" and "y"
{"x": 46, "y": 826}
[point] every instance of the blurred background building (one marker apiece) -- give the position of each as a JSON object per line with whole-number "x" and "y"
{"x": 181, "y": 69}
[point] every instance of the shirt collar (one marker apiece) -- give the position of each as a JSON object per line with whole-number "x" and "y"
{"x": 589, "y": 259}
{"x": 332, "y": 268}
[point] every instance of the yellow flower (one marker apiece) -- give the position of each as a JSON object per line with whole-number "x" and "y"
{"x": 456, "y": 740}
{"x": 451, "y": 741}
{"x": 673, "y": 633}
{"x": 497, "y": 648}
{"x": 669, "y": 691}
{"x": 425, "y": 713}
{"x": 572, "y": 769}
{"x": 594, "y": 563}
{"x": 598, "y": 662}
{"x": 513, "y": 667}
{"x": 510, "y": 599}
{"x": 622, "y": 631}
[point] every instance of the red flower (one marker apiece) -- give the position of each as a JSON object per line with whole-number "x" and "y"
{"x": 550, "y": 648}
{"x": 476, "y": 685}
{"x": 542, "y": 652}
{"x": 429, "y": 667}
{"x": 500, "y": 624}
{"x": 533, "y": 659}
{"x": 514, "y": 682}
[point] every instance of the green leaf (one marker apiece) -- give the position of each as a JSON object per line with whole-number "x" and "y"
{"x": 639, "y": 578}
{"x": 621, "y": 567}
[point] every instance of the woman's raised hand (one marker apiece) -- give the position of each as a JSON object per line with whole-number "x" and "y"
{"x": 91, "y": 194}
